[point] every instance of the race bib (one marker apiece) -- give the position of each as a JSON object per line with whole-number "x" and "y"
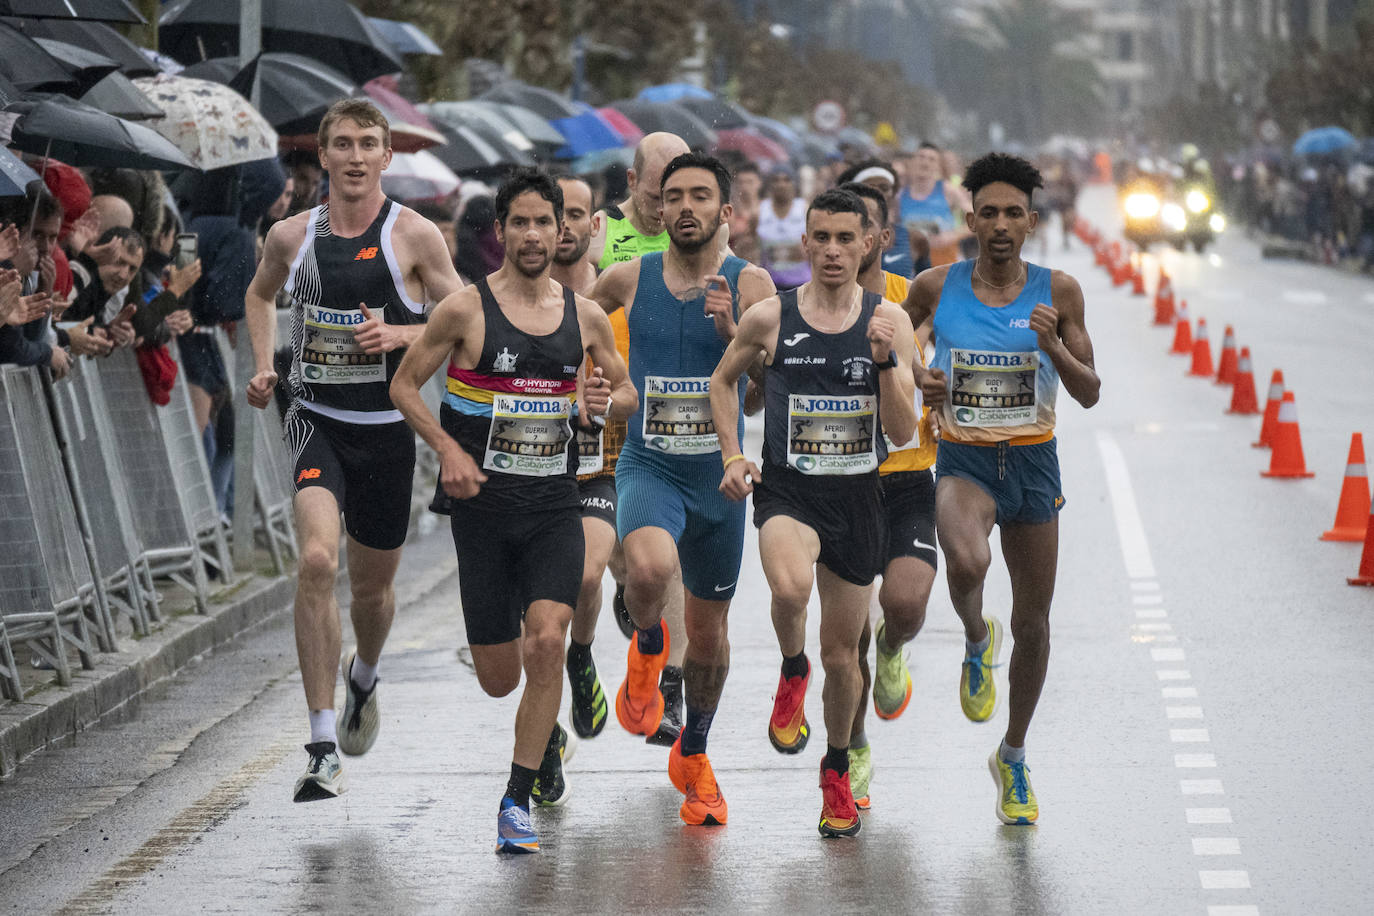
{"x": 591, "y": 456}
{"x": 831, "y": 434}
{"x": 993, "y": 389}
{"x": 331, "y": 356}
{"x": 677, "y": 415}
{"x": 915, "y": 443}
{"x": 529, "y": 436}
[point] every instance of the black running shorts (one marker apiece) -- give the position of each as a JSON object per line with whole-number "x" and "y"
{"x": 909, "y": 508}
{"x": 598, "y": 498}
{"x": 508, "y": 560}
{"x": 368, "y": 467}
{"x": 847, "y": 515}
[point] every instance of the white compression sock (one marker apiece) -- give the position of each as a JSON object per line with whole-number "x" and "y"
{"x": 362, "y": 674}
{"x": 322, "y": 726}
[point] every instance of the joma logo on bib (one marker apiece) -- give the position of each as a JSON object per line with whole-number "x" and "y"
{"x": 973, "y": 358}
{"x": 820, "y": 404}
{"x": 330, "y": 316}
{"x": 678, "y": 386}
{"x": 534, "y": 406}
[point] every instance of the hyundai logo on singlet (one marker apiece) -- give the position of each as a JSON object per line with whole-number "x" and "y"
{"x": 813, "y": 404}
{"x": 1003, "y": 360}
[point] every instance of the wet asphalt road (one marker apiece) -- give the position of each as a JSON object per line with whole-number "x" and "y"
{"x": 1201, "y": 745}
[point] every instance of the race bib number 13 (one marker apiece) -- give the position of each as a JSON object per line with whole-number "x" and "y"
{"x": 993, "y": 389}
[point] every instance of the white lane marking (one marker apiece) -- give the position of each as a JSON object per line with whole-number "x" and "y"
{"x": 1135, "y": 549}
{"x": 1189, "y": 735}
{"x": 1216, "y": 846}
{"x": 1167, "y": 655}
{"x": 1233, "y": 910}
{"x": 1144, "y": 586}
{"x": 1147, "y": 599}
{"x": 1174, "y": 675}
{"x": 1224, "y": 880}
{"x": 1195, "y": 761}
{"x": 1201, "y": 787}
{"x": 1152, "y": 627}
{"x": 1152, "y": 614}
{"x": 1183, "y": 712}
{"x": 1208, "y": 815}
{"x": 1304, "y": 296}
{"x": 1178, "y": 693}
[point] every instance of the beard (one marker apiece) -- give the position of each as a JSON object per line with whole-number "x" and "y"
{"x": 692, "y": 246}
{"x": 519, "y": 265}
{"x": 572, "y": 258}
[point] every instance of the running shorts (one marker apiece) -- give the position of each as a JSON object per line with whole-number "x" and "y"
{"x": 909, "y": 509}
{"x": 684, "y": 499}
{"x": 368, "y": 468}
{"x": 508, "y": 560}
{"x": 1023, "y": 480}
{"x": 598, "y": 498}
{"x": 846, "y": 515}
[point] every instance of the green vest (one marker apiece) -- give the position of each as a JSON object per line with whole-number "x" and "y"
{"x": 624, "y": 242}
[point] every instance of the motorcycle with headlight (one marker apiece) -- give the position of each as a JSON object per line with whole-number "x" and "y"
{"x": 1197, "y": 220}
{"x": 1142, "y": 205}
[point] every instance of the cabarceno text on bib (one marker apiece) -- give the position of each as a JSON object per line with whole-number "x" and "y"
{"x": 529, "y": 436}
{"x": 677, "y": 415}
{"x": 330, "y": 354}
{"x": 591, "y": 456}
{"x": 987, "y": 388}
{"x": 830, "y": 434}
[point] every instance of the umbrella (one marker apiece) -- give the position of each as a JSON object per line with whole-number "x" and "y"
{"x": 655, "y": 116}
{"x": 544, "y": 102}
{"x": 720, "y": 115}
{"x": 406, "y": 37}
{"x": 294, "y": 91}
{"x": 212, "y": 124}
{"x": 93, "y": 36}
{"x": 419, "y": 176}
{"x": 488, "y": 122}
{"x": 587, "y": 132}
{"x": 25, "y": 64}
{"x": 466, "y": 151}
{"x": 88, "y": 67}
{"x": 117, "y": 95}
{"x": 162, "y": 62}
{"x": 96, "y": 10}
{"x": 622, "y": 125}
{"x": 753, "y": 144}
{"x": 331, "y": 31}
{"x": 1324, "y": 140}
{"x": 382, "y": 90}
{"x": 82, "y": 136}
{"x": 775, "y": 130}
{"x": 672, "y": 92}
{"x": 539, "y": 130}
{"x": 599, "y": 160}
{"x": 8, "y": 92}
{"x": 14, "y": 175}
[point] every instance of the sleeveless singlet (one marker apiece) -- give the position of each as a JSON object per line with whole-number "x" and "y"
{"x": 933, "y": 208}
{"x": 511, "y": 412}
{"x": 624, "y": 242}
{"x": 779, "y": 233}
{"x": 330, "y": 373}
{"x": 1002, "y": 386}
{"x": 674, "y": 348}
{"x": 919, "y": 453}
{"x": 821, "y": 397}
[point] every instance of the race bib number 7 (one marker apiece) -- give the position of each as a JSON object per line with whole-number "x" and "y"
{"x": 992, "y": 389}
{"x": 831, "y": 435}
{"x": 529, "y": 435}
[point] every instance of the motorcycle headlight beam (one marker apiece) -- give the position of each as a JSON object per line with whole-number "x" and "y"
{"x": 1196, "y": 201}
{"x": 1217, "y": 223}
{"x": 1173, "y": 217}
{"x": 1141, "y": 205}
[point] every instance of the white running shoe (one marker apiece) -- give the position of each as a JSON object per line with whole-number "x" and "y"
{"x": 323, "y": 777}
{"x": 361, "y": 719}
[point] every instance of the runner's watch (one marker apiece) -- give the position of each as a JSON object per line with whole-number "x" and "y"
{"x": 889, "y": 363}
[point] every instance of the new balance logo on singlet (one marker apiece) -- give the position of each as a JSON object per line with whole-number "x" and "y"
{"x": 366, "y": 254}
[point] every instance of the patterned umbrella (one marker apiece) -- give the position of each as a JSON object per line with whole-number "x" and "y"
{"x": 212, "y": 124}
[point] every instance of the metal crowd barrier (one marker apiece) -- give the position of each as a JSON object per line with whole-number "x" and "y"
{"x": 272, "y": 485}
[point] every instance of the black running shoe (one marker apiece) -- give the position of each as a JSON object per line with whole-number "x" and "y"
{"x": 670, "y": 685}
{"x": 622, "y": 613}
{"x": 323, "y": 777}
{"x": 588, "y": 708}
{"x": 550, "y": 787}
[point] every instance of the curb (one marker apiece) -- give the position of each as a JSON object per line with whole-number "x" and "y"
{"x": 57, "y": 713}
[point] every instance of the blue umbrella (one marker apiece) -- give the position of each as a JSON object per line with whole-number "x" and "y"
{"x": 14, "y": 175}
{"x": 406, "y": 37}
{"x": 1324, "y": 140}
{"x": 671, "y": 92}
{"x": 585, "y": 133}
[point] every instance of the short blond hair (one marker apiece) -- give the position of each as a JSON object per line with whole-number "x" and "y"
{"x": 360, "y": 111}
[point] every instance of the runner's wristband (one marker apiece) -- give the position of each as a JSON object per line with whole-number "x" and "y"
{"x": 738, "y": 457}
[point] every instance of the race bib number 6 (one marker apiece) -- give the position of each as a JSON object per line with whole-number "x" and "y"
{"x": 677, "y": 415}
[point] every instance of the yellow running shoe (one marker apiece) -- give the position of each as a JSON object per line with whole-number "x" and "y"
{"x": 860, "y": 774}
{"x": 891, "y": 678}
{"x": 1015, "y": 798}
{"x": 977, "y": 693}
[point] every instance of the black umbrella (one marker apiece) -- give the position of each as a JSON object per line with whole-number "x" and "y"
{"x": 25, "y": 64}
{"x": 544, "y": 102}
{"x": 117, "y": 95}
{"x": 468, "y": 152}
{"x": 330, "y": 31}
{"x": 93, "y": 36}
{"x": 96, "y": 10}
{"x": 8, "y": 92}
{"x": 82, "y": 136}
{"x": 88, "y": 67}
{"x": 674, "y": 119}
{"x": 294, "y": 91}
{"x": 718, "y": 114}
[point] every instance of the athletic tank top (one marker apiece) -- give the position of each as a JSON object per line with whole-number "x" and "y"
{"x": 329, "y": 276}
{"x": 624, "y": 242}
{"x": 933, "y": 208}
{"x": 919, "y": 453}
{"x": 1002, "y": 386}
{"x": 820, "y": 397}
{"x": 674, "y": 348}
{"x": 512, "y": 411}
{"x": 777, "y": 234}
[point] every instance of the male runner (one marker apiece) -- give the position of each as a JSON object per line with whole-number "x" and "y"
{"x": 927, "y": 206}
{"x": 837, "y": 373}
{"x": 909, "y": 513}
{"x": 359, "y": 271}
{"x": 1007, "y": 333}
{"x": 515, "y": 342}
{"x": 681, "y": 310}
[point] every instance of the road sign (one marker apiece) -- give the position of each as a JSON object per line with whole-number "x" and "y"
{"x": 828, "y": 117}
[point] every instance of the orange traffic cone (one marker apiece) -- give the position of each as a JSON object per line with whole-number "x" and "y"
{"x": 1286, "y": 459}
{"x": 1366, "y": 574}
{"x": 1164, "y": 299}
{"x": 1202, "y": 352}
{"x": 1352, "y": 512}
{"x": 1100, "y": 253}
{"x": 1243, "y": 394}
{"x": 1121, "y": 272}
{"x": 1183, "y": 331}
{"x": 1226, "y": 368}
{"x": 1271, "y": 411}
{"x": 1138, "y": 282}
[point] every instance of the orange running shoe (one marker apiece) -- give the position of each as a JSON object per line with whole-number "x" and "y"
{"x": 638, "y": 702}
{"x": 839, "y": 816}
{"x": 788, "y": 728}
{"x": 704, "y": 805}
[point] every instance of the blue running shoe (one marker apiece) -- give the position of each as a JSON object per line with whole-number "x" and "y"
{"x": 514, "y": 834}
